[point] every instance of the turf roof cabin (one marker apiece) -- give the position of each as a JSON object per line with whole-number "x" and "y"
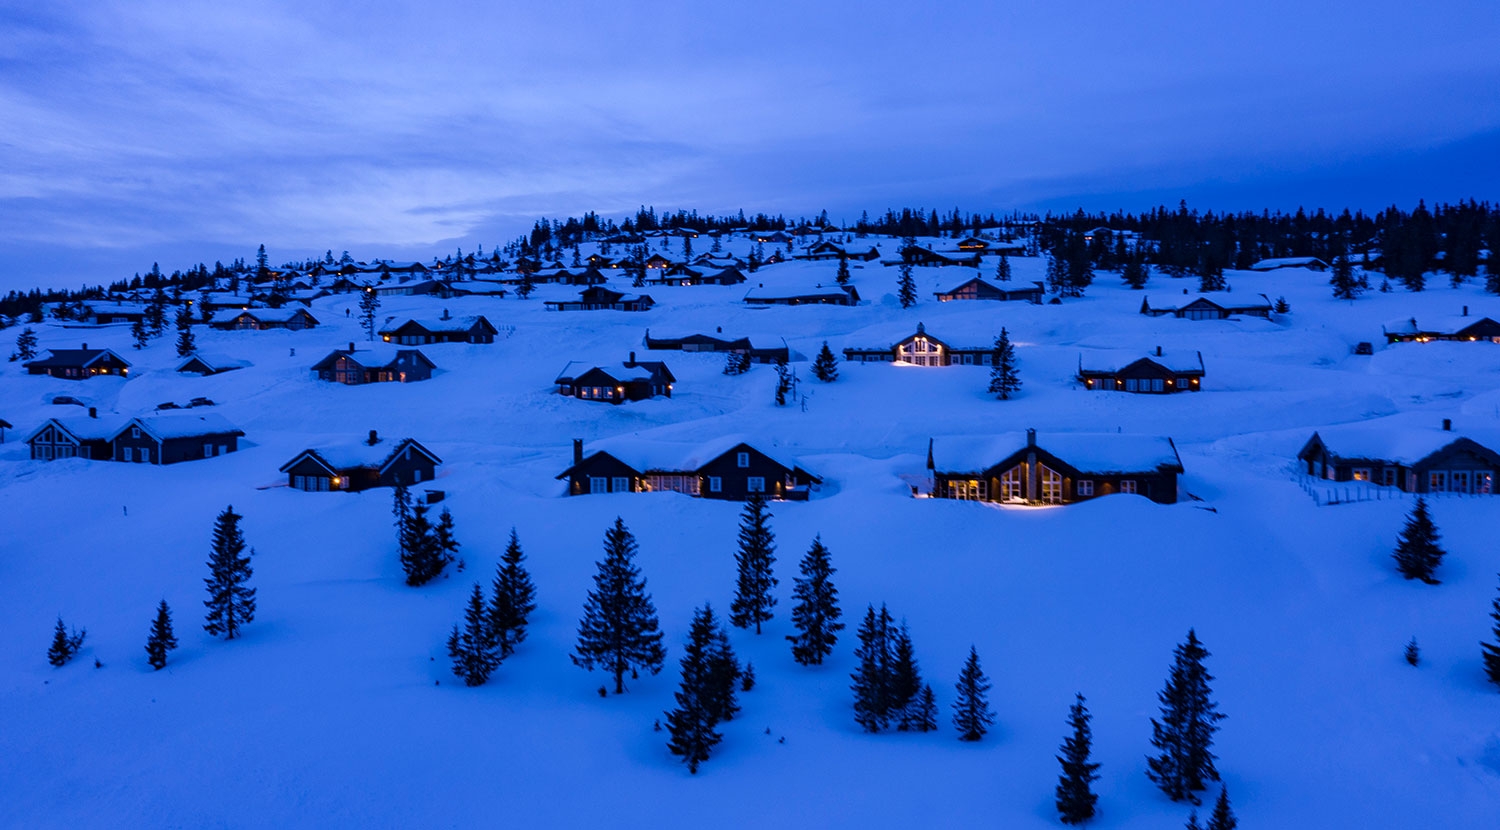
{"x": 1463, "y": 328}
{"x": 629, "y": 381}
{"x": 1204, "y": 308}
{"x": 1014, "y": 468}
{"x": 728, "y": 468}
{"x": 976, "y": 288}
{"x": 922, "y": 349}
{"x": 1415, "y": 460}
{"x": 376, "y": 363}
{"x": 170, "y": 439}
{"x": 373, "y": 462}
{"x": 445, "y": 329}
{"x": 1158, "y": 373}
{"x": 79, "y": 364}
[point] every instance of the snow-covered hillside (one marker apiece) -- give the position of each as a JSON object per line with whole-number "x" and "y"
{"x": 338, "y": 706}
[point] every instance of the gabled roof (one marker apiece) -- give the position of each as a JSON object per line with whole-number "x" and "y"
{"x": 457, "y": 325}
{"x": 1096, "y": 453}
{"x": 646, "y": 370}
{"x": 1114, "y": 361}
{"x": 1288, "y": 262}
{"x": 1448, "y": 326}
{"x": 788, "y": 292}
{"x": 213, "y": 362}
{"x": 337, "y": 458}
{"x": 651, "y": 456}
{"x": 1401, "y": 442}
{"x": 182, "y": 425}
{"x": 81, "y": 427}
{"x": 81, "y": 358}
{"x": 374, "y": 356}
{"x": 264, "y": 315}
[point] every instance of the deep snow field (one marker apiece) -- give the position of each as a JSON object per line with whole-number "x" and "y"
{"x": 338, "y": 708}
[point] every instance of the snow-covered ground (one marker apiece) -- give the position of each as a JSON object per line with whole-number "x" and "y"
{"x": 338, "y": 707}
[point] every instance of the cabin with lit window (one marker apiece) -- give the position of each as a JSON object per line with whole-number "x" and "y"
{"x": 79, "y": 364}
{"x": 263, "y": 319}
{"x": 173, "y": 438}
{"x": 758, "y": 350}
{"x": 81, "y": 436}
{"x": 373, "y": 462}
{"x": 1158, "y": 373}
{"x": 775, "y": 237}
{"x": 1412, "y": 458}
{"x": 108, "y": 313}
{"x": 629, "y": 381}
{"x": 1201, "y": 307}
{"x": 918, "y": 255}
{"x": 977, "y": 288}
{"x": 922, "y": 349}
{"x": 445, "y": 329}
{"x": 834, "y": 251}
{"x": 1460, "y": 329}
{"x": 599, "y": 298}
{"x": 375, "y": 363}
{"x": 728, "y": 468}
{"x": 1016, "y": 468}
{"x": 199, "y": 363}
{"x": 681, "y": 274}
{"x": 818, "y": 294}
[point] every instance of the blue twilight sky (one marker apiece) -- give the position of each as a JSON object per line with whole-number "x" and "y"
{"x": 141, "y": 130}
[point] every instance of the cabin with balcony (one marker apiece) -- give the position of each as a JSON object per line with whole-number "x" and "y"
{"x": 1412, "y": 458}
{"x": 352, "y": 467}
{"x": 617, "y": 383}
{"x": 375, "y": 363}
{"x": 1158, "y": 373}
{"x": 175, "y": 437}
{"x": 728, "y": 468}
{"x": 79, "y": 364}
{"x": 922, "y": 349}
{"x": 1016, "y": 468}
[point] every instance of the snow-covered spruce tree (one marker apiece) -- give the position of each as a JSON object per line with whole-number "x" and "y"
{"x": 514, "y": 599}
{"x": 64, "y": 644}
{"x": 1210, "y": 273}
{"x": 1222, "y": 818}
{"x": 444, "y": 538}
{"x": 140, "y": 334}
{"x": 815, "y": 609}
{"x": 1002, "y": 269}
{"x": 1418, "y": 553}
{"x": 1189, "y": 719}
{"x": 156, "y": 312}
{"x": 185, "y": 340}
{"x": 473, "y": 649}
{"x": 906, "y": 680}
{"x": 736, "y": 363}
{"x": 843, "y": 275}
{"x": 872, "y": 680}
{"x": 160, "y": 640}
{"x": 1057, "y": 274}
{"x": 1192, "y": 822}
{"x": 25, "y": 345}
{"x": 724, "y": 676}
{"x": 1491, "y": 650}
{"x": 422, "y": 555}
{"x": 971, "y": 710}
{"x": 691, "y": 724}
{"x": 1075, "y": 794}
{"x": 231, "y": 602}
{"x": 826, "y": 366}
{"x": 619, "y": 631}
{"x": 906, "y": 287}
{"x": 526, "y": 285}
{"x": 1281, "y": 306}
{"x": 754, "y": 560}
{"x": 1005, "y": 376}
{"x": 369, "y": 309}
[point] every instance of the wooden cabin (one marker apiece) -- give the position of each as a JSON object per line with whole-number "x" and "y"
{"x": 922, "y": 349}
{"x": 775, "y": 237}
{"x": 757, "y": 351}
{"x": 1460, "y": 329}
{"x": 361, "y": 466}
{"x": 198, "y": 363}
{"x": 629, "y": 381}
{"x": 172, "y": 438}
{"x": 79, "y": 364}
{"x": 75, "y": 437}
{"x": 374, "y": 364}
{"x": 819, "y": 294}
{"x": 1015, "y": 469}
{"x": 680, "y": 274}
{"x": 728, "y": 468}
{"x": 1311, "y": 263}
{"x": 1202, "y": 307}
{"x": 977, "y": 288}
{"x": 263, "y": 319}
{"x": 918, "y": 255}
{"x": 597, "y": 298}
{"x": 1158, "y": 373}
{"x": 107, "y": 313}
{"x": 834, "y": 251}
{"x": 1418, "y": 460}
{"x": 445, "y": 329}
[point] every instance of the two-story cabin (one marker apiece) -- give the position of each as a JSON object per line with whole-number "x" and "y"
{"x": 977, "y": 288}
{"x": 1158, "y": 373}
{"x": 1461, "y": 329}
{"x": 376, "y": 363}
{"x": 599, "y": 298}
{"x": 81, "y": 436}
{"x": 922, "y": 349}
{"x": 728, "y": 468}
{"x": 1202, "y": 307}
{"x": 629, "y": 381}
{"x": 1015, "y": 468}
{"x": 263, "y": 319}
{"x": 446, "y": 329}
{"x": 361, "y": 466}
{"x": 171, "y": 438}
{"x": 79, "y": 364}
{"x": 1416, "y": 459}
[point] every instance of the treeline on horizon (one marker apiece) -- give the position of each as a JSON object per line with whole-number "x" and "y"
{"x": 1402, "y": 244}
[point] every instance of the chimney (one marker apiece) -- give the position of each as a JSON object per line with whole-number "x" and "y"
{"x": 445, "y": 315}
{"x": 85, "y": 346}
{"x": 1158, "y": 351}
{"x": 577, "y": 451}
{"x": 1031, "y": 437}
{"x": 93, "y": 412}
{"x": 1466, "y": 311}
{"x": 632, "y": 359}
{"x": 351, "y": 345}
{"x": 374, "y": 438}
{"x": 1447, "y": 425}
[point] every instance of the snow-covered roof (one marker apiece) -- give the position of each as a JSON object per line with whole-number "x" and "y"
{"x": 784, "y": 291}
{"x": 618, "y": 371}
{"x": 269, "y": 315}
{"x": 1088, "y": 452}
{"x": 1113, "y": 360}
{"x": 1403, "y": 441}
{"x": 345, "y": 456}
{"x": 1451, "y": 324}
{"x": 185, "y": 425}
{"x": 1287, "y": 262}
{"x": 454, "y": 324}
{"x": 375, "y": 354}
{"x": 214, "y": 361}
{"x": 82, "y": 426}
{"x": 1221, "y": 299}
{"x": 647, "y": 454}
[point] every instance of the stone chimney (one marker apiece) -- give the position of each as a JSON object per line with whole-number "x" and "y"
{"x": 577, "y": 451}
{"x": 373, "y": 439}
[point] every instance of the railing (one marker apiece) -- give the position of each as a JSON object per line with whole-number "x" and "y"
{"x": 1325, "y": 493}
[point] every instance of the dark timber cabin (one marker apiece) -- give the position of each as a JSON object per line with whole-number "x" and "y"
{"x": 205, "y": 364}
{"x": 758, "y": 352}
{"x": 922, "y": 349}
{"x": 1463, "y": 329}
{"x": 599, "y": 298}
{"x": 1159, "y": 373}
{"x": 169, "y": 439}
{"x": 1415, "y": 460}
{"x": 73, "y": 437}
{"x": 728, "y": 468}
{"x": 79, "y": 364}
{"x": 977, "y": 288}
{"x": 918, "y": 255}
{"x": 804, "y": 295}
{"x": 379, "y": 364}
{"x": 629, "y": 381}
{"x": 1016, "y": 469}
{"x": 446, "y": 329}
{"x": 353, "y": 467}
{"x": 681, "y": 274}
{"x": 262, "y": 319}
{"x": 1204, "y": 308}
{"x": 831, "y": 251}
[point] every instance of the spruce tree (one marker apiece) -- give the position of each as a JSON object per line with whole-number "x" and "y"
{"x": 160, "y": 640}
{"x": 231, "y": 602}
{"x": 64, "y": 644}
{"x": 815, "y": 612}
{"x": 747, "y": 677}
{"x": 1210, "y": 273}
{"x": 826, "y": 367}
{"x": 924, "y": 711}
{"x": 1222, "y": 817}
{"x": 872, "y": 680}
{"x": 185, "y": 339}
{"x": 843, "y": 275}
{"x": 369, "y": 308}
{"x": 1341, "y": 277}
{"x": 139, "y": 335}
{"x": 1057, "y": 274}
{"x": 691, "y": 724}
{"x": 1492, "y": 274}
{"x": 724, "y": 675}
{"x": 1281, "y": 306}
{"x": 156, "y": 312}
{"x": 1005, "y": 377}
{"x": 971, "y": 710}
{"x": 526, "y": 285}
{"x": 1075, "y": 794}
{"x": 1412, "y": 653}
{"x": 736, "y": 363}
{"x": 619, "y": 631}
{"x": 1189, "y": 719}
{"x": 422, "y": 556}
{"x": 1491, "y": 651}
{"x": 754, "y": 560}
{"x": 1192, "y": 822}
{"x": 1136, "y": 272}
{"x": 1002, "y": 269}
{"x": 1417, "y": 551}
{"x": 783, "y": 383}
{"x": 905, "y": 680}
{"x": 474, "y": 651}
{"x": 514, "y": 599}
{"x": 443, "y": 537}
{"x": 25, "y": 345}
{"x": 906, "y": 288}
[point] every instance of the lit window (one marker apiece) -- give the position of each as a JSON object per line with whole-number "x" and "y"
{"x": 1361, "y": 474}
